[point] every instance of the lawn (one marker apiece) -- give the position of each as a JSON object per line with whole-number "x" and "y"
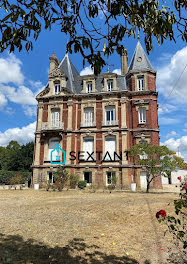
{"x": 80, "y": 227}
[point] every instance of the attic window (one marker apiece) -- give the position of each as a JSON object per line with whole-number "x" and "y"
{"x": 110, "y": 85}
{"x": 89, "y": 87}
{"x": 57, "y": 88}
{"x": 140, "y": 83}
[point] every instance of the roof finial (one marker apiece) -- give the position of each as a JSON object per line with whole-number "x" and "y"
{"x": 138, "y": 34}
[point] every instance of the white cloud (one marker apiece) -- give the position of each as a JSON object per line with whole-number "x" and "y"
{"x": 166, "y": 108}
{"x": 168, "y": 75}
{"x": 86, "y": 71}
{"x": 10, "y": 70}
{"x": 9, "y": 110}
{"x": 29, "y": 111}
{"x": 21, "y": 95}
{"x": 117, "y": 71}
{"x": 176, "y": 144}
{"x": 22, "y": 135}
{"x": 167, "y": 121}
{"x": 172, "y": 134}
{"x": 3, "y": 101}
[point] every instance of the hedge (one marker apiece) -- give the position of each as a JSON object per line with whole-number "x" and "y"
{"x": 5, "y": 176}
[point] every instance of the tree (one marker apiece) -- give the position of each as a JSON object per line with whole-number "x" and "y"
{"x": 155, "y": 160}
{"x": 21, "y": 21}
{"x": 61, "y": 177}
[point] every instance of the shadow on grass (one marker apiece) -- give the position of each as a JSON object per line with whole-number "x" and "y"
{"x": 14, "y": 250}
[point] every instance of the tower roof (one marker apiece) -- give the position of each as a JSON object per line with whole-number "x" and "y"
{"x": 70, "y": 71}
{"x": 140, "y": 61}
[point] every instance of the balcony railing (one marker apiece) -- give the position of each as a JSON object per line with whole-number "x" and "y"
{"x": 110, "y": 123}
{"x": 88, "y": 124}
{"x": 48, "y": 126}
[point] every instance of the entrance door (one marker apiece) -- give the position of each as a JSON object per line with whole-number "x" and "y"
{"x": 143, "y": 180}
{"x": 88, "y": 177}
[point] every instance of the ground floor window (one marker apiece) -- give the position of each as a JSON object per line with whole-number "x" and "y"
{"x": 88, "y": 177}
{"x": 50, "y": 177}
{"x": 109, "y": 176}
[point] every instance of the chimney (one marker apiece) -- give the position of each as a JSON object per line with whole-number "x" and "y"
{"x": 53, "y": 62}
{"x": 124, "y": 62}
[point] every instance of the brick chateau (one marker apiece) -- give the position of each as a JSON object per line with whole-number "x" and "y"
{"x": 95, "y": 120}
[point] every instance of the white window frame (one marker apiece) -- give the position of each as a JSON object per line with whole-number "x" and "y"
{"x": 110, "y": 109}
{"x": 140, "y": 83}
{"x": 55, "y": 118}
{"x": 89, "y": 87}
{"x": 91, "y": 139}
{"x": 88, "y": 116}
{"x": 112, "y": 173}
{"x": 57, "y": 88}
{"x": 142, "y": 115}
{"x": 108, "y": 138}
{"x": 57, "y": 141}
{"x": 110, "y": 85}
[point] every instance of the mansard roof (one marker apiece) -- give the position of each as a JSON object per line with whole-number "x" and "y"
{"x": 70, "y": 71}
{"x": 140, "y": 61}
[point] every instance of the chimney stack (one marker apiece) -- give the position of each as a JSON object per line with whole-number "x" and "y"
{"x": 124, "y": 62}
{"x": 54, "y": 62}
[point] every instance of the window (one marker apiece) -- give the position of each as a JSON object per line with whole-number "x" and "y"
{"x": 109, "y": 176}
{"x": 140, "y": 83}
{"x": 88, "y": 116}
{"x": 52, "y": 143}
{"x": 89, "y": 87}
{"x": 143, "y": 142}
{"x": 142, "y": 115}
{"x": 110, "y": 85}
{"x": 50, "y": 178}
{"x": 110, "y": 147}
{"x": 88, "y": 147}
{"x": 88, "y": 177}
{"x": 57, "y": 88}
{"x": 55, "y": 118}
{"x": 110, "y": 115}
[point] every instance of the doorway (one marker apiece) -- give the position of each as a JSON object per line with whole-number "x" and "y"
{"x": 88, "y": 177}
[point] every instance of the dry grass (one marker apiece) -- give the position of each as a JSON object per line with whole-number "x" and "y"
{"x": 79, "y": 227}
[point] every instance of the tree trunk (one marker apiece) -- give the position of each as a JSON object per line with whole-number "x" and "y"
{"x": 148, "y": 185}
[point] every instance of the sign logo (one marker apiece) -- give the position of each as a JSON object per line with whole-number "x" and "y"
{"x": 58, "y": 155}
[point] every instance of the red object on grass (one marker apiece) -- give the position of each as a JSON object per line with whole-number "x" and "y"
{"x": 161, "y": 213}
{"x": 57, "y": 182}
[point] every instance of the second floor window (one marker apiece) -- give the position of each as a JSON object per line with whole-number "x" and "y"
{"x": 57, "y": 88}
{"x": 55, "y": 118}
{"x": 140, "y": 83}
{"x": 142, "y": 115}
{"x": 110, "y": 85}
{"x": 110, "y": 114}
{"x": 89, "y": 87}
{"x": 88, "y": 116}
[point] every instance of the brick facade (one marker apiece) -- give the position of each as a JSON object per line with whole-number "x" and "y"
{"x": 127, "y": 130}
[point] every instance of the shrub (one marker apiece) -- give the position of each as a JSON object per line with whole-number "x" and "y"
{"x": 16, "y": 180}
{"x": 73, "y": 180}
{"x": 111, "y": 187}
{"x": 61, "y": 176}
{"x": 82, "y": 184}
{"x": 6, "y": 176}
{"x": 177, "y": 225}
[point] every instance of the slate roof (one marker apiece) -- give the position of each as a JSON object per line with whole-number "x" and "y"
{"x": 70, "y": 71}
{"x": 140, "y": 61}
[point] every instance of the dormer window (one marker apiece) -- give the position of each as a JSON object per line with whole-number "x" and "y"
{"x": 89, "y": 87}
{"x": 57, "y": 88}
{"x": 110, "y": 85}
{"x": 140, "y": 83}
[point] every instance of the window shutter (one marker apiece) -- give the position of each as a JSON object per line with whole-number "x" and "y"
{"x": 88, "y": 146}
{"x": 110, "y": 146}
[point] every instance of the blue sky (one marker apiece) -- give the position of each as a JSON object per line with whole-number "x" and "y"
{"x": 23, "y": 75}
